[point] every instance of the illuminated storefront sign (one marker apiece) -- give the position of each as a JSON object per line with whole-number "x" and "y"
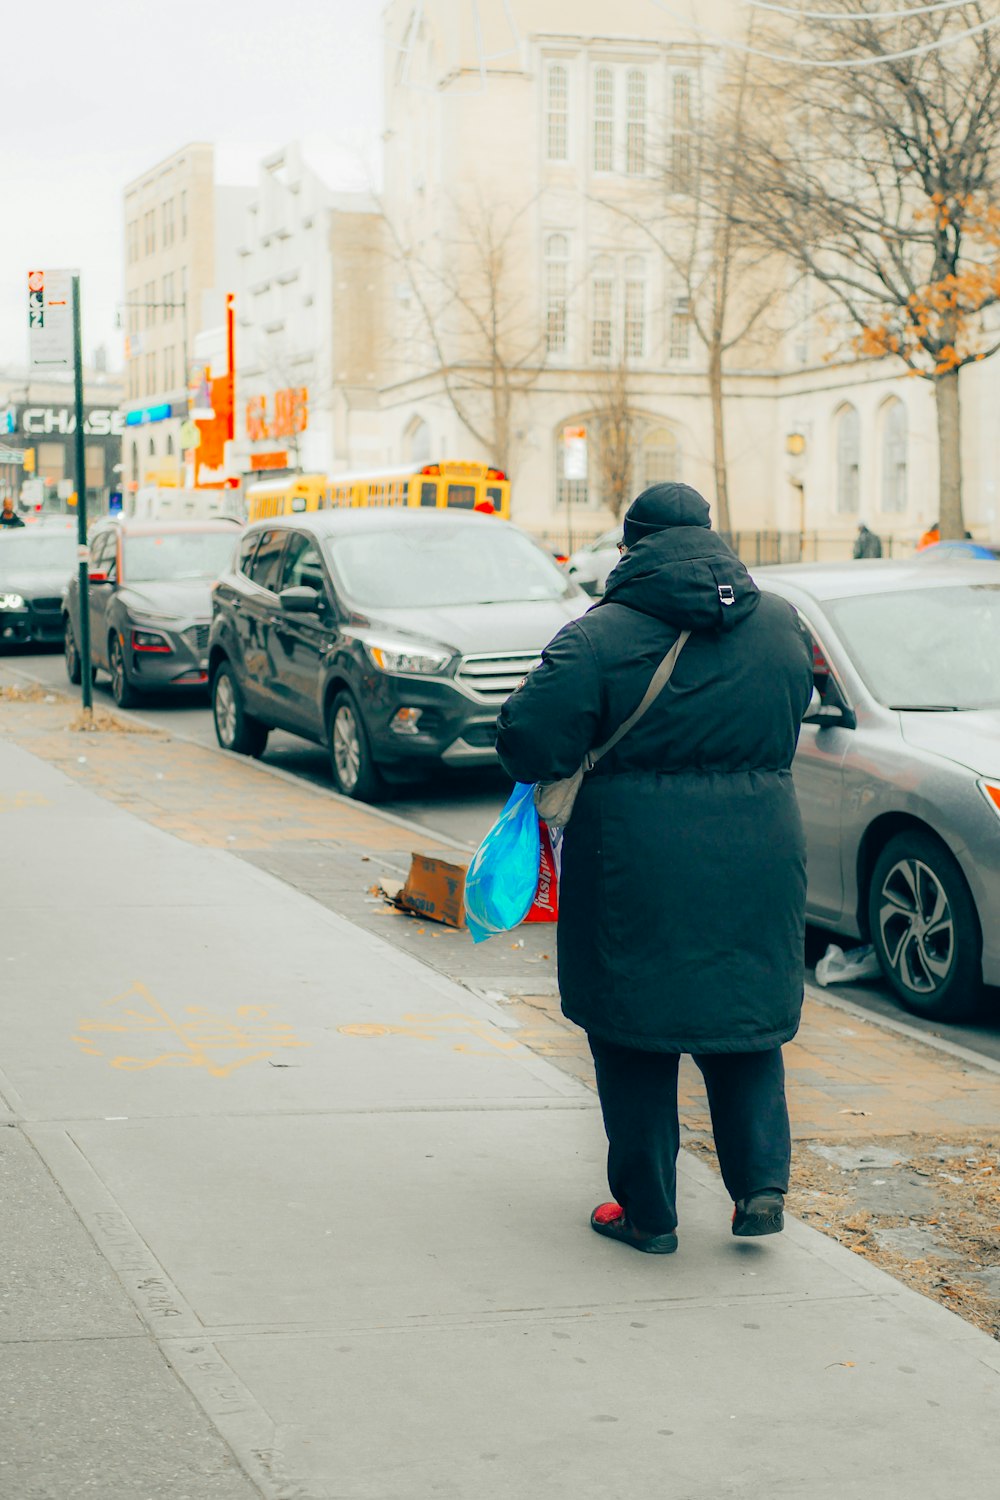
{"x": 289, "y": 416}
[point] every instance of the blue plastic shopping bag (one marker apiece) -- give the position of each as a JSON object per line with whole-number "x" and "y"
{"x": 503, "y": 875}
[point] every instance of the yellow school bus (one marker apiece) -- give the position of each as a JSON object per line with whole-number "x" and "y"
{"x": 287, "y": 496}
{"x": 445, "y": 486}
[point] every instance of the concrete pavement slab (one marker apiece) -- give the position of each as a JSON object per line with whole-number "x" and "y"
{"x": 88, "y": 1404}
{"x": 372, "y": 1267}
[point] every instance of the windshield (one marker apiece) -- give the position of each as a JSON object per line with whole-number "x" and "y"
{"x": 28, "y": 552}
{"x": 177, "y": 555}
{"x": 926, "y": 648}
{"x": 422, "y": 567}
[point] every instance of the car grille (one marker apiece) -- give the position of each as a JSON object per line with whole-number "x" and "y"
{"x": 46, "y": 606}
{"x": 197, "y": 637}
{"x": 494, "y": 677}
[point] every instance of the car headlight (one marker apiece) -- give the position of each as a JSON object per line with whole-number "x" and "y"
{"x": 396, "y": 656}
{"x": 11, "y": 601}
{"x": 991, "y": 791}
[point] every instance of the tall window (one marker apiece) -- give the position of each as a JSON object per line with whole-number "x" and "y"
{"x": 681, "y": 138}
{"x": 556, "y": 290}
{"x": 150, "y": 373}
{"x": 184, "y": 213}
{"x": 602, "y": 301}
{"x": 168, "y": 296}
{"x": 660, "y": 457}
{"x": 169, "y": 369}
{"x": 168, "y": 221}
{"x": 557, "y": 113}
{"x": 135, "y": 460}
{"x": 894, "y": 485}
{"x": 150, "y": 300}
{"x": 635, "y": 122}
{"x": 635, "y": 307}
{"x": 604, "y": 120}
{"x": 573, "y": 464}
{"x": 680, "y": 329}
{"x": 848, "y": 461}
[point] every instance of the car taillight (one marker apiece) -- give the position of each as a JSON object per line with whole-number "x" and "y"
{"x": 991, "y": 791}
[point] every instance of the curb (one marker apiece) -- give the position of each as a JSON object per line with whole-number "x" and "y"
{"x": 903, "y": 1028}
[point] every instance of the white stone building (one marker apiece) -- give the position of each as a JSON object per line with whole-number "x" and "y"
{"x": 554, "y": 128}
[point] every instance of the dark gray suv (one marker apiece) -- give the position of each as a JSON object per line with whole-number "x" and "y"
{"x": 150, "y": 603}
{"x": 392, "y": 636}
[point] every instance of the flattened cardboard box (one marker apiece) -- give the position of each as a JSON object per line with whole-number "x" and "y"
{"x": 435, "y": 890}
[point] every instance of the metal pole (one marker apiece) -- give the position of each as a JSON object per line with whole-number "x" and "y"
{"x": 86, "y": 676}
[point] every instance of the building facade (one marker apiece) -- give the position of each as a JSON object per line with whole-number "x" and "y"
{"x": 542, "y": 318}
{"x": 38, "y": 418}
{"x": 181, "y": 229}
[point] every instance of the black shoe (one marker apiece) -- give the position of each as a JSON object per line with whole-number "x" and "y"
{"x": 609, "y": 1219}
{"x": 761, "y": 1213}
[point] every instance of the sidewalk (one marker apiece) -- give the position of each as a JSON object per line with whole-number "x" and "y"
{"x": 295, "y": 1215}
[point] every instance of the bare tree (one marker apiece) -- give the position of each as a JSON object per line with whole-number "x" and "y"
{"x": 727, "y": 282}
{"x": 476, "y": 331}
{"x": 615, "y": 428}
{"x": 879, "y": 182}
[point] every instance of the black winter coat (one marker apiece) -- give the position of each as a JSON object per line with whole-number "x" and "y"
{"x": 682, "y": 895}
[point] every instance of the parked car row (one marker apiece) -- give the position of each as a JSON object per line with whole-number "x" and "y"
{"x": 393, "y": 637}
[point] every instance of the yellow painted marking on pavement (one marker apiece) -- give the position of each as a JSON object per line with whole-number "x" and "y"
{"x": 15, "y": 801}
{"x": 203, "y": 1039}
{"x": 437, "y": 1028}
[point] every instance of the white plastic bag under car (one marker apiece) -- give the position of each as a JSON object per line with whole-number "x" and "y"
{"x": 838, "y": 967}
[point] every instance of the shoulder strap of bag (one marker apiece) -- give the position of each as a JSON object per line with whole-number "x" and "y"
{"x": 661, "y": 677}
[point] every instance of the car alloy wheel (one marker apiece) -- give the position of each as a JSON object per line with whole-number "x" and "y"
{"x": 225, "y": 710}
{"x": 235, "y": 729}
{"x": 917, "y": 927}
{"x": 354, "y": 771}
{"x": 74, "y": 669}
{"x": 121, "y": 689}
{"x": 925, "y": 927}
{"x": 346, "y": 748}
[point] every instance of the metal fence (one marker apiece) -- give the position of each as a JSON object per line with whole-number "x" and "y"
{"x": 755, "y": 548}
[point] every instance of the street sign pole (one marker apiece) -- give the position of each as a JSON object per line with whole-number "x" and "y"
{"x": 86, "y": 675}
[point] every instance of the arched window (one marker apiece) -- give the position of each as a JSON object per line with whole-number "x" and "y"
{"x": 152, "y": 447}
{"x": 135, "y": 460}
{"x": 635, "y": 306}
{"x": 556, "y": 290}
{"x": 170, "y": 445}
{"x": 661, "y": 458}
{"x": 573, "y": 465}
{"x": 602, "y": 298}
{"x": 604, "y": 120}
{"x": 635, "y": 122}
{"x": 848, "y": 461}
{"x": 418, "y": 442}
{"x": 557, "y": 113}
{"x": 894, "y": 456}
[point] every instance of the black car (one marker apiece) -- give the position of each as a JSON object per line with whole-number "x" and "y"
{"x": 150, "y": 603}
{"x": 36, "y": 565}
{"x": 393, "y": 636}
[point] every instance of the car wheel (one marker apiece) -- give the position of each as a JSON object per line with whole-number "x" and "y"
{"x": 235, "y": 729}
{"x": 122, "y": 690}
{"x": 74, "y": 667}
{"x": 925, "y": 928}
{"x": 354, "y": 771}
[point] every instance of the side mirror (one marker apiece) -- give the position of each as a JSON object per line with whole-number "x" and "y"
{"x": 830, "y": 715}
{"x": 301, "y": 600}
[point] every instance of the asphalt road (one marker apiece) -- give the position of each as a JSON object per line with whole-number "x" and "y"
{"x": 463, "y": 806}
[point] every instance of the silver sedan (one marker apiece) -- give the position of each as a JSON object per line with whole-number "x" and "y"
{"x": 898, "y": 769}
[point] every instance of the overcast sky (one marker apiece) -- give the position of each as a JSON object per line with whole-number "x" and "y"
{"x": 101, "y": 92}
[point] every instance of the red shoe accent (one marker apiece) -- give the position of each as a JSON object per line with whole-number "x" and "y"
{"x": 608, "y": 1213}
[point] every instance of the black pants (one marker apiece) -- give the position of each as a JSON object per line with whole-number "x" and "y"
{"x": 638, "y": 1091}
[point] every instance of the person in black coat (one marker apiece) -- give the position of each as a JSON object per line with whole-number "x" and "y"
{"x": 682, "y": 891}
